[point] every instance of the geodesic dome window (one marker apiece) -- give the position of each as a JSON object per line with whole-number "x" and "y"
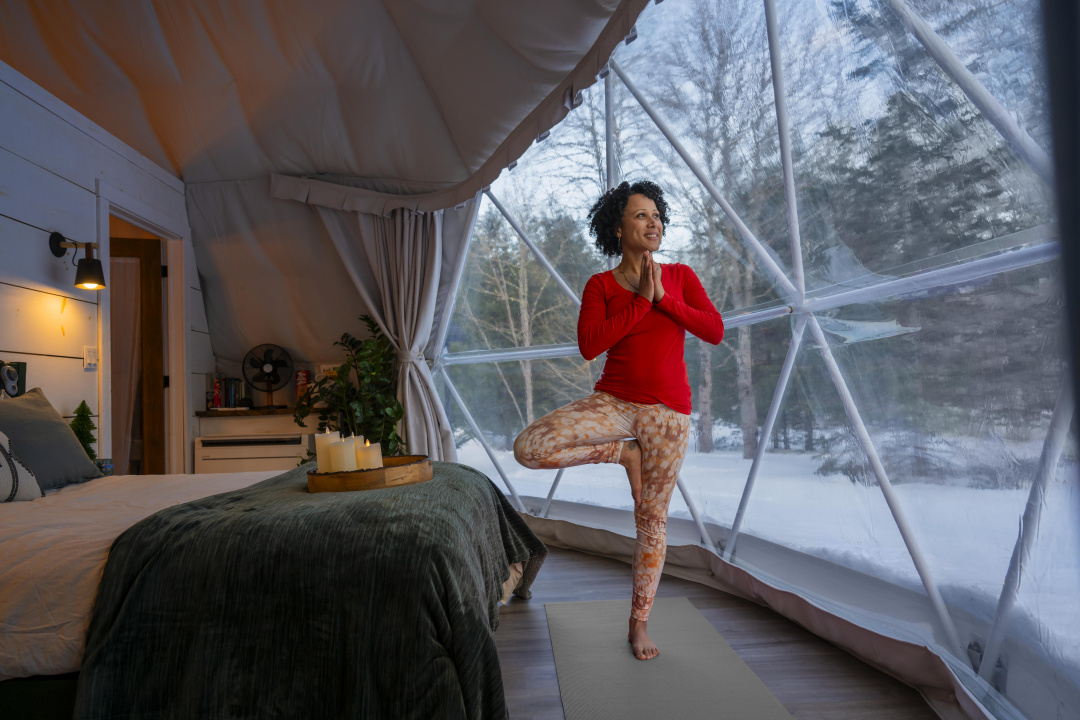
{"x": 864, "y": 190}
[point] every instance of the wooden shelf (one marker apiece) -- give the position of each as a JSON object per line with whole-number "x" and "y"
{"x": 241, "y": 412}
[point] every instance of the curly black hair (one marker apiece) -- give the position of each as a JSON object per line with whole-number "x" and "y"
{"x": 606, "y": 214}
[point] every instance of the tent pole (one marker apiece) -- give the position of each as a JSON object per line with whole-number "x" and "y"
{"x": 448, "y": 313}
{"x": 749, "y": 238}
{"x": 759, "y": 316}
{"x": 482, "y": 439}
{"x": 942, "y": 277}
{"x": 609, "y": 139}
{"x": 952, "y": 275}
{"x": 609, "y": 131}
{"x": 529, "y": 352}
{"x": 706, "y": 539}
{"x": 921, "y": 566}
{"x": 1029, "y": 526}
{"x": 548, "y": 352}
{"x": 563, "y": 350}
{"x": 766, "y": 431}
{"x": 551, "y": 493}
{"x": 1024, "y": 145}
{"x": 535, "y": 250}
{"x": 783, "y": 128}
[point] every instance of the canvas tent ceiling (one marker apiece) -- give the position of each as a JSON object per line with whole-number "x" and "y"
{"x": 402, "y": 97}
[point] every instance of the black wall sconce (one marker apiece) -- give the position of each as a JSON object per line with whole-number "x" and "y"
{"x": 89, "y": 274}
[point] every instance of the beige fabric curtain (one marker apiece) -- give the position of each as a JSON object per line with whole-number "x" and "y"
{"x": 125, "y": 318}
{"x": 395, "y": 263}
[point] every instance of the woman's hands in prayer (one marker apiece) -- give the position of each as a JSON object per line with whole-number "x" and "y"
{"x": 652, "y": 288}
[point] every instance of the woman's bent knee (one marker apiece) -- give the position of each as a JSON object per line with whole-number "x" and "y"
{"x": 523, "y": 453}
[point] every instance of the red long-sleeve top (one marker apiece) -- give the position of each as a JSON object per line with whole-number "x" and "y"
{"x": 644, "y": 340}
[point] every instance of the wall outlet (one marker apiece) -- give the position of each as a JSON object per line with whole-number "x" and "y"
{"x": 89, "y": 357}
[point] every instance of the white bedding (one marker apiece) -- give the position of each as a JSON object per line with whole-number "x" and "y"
{"x": 53, "y": 551}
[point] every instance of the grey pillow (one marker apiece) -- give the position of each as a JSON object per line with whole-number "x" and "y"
{"x": 16, "y": 480}
{"x": 47, "y": 445}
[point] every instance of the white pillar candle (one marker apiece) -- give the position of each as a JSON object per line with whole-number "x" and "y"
{"x": 322, "y": 449}
{"x": 342, "y": 456}
{"x": 350, "y": 446}
{"x": 368, "y": 455}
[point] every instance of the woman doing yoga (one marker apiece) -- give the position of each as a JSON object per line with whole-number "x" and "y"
{"x": 639, "y": 413}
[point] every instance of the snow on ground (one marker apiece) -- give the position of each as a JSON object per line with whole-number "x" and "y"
{"x": 966, "y": 534}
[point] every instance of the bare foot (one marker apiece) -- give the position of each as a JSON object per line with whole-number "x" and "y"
{"x": 644, "y": 648}
{"x": 630, "y": 458}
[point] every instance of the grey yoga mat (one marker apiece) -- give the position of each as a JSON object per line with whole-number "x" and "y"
{"x": 696, "y": 675}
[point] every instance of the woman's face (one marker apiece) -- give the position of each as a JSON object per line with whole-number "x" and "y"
{"x": 640, "y": 229}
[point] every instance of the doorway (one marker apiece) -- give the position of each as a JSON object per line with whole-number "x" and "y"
{"x": 138, "y": 357}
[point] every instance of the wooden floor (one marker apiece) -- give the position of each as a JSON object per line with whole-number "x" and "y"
{"x": 812, "y": 678}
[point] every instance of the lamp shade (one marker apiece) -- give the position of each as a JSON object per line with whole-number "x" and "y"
{"x": 89, "y": 275}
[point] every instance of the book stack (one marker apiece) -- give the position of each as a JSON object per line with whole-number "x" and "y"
{"x": 226, "y": 393}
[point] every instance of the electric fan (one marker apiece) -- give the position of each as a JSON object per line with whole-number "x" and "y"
{"x": 269, "y": 368}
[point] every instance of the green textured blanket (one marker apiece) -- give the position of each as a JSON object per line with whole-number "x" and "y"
{"x": 272, "y": 602}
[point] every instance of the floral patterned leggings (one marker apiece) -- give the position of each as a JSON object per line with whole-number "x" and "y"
{"x": 590, "y": 430}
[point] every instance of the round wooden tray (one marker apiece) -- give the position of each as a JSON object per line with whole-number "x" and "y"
{"x": 398, "y": 470}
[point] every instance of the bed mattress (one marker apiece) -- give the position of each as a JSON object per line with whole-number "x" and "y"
{"x": 53, "y": 551}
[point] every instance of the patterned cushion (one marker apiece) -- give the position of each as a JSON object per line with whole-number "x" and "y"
{"x": 47, "y": 444}
{"x": 16, "y": 480}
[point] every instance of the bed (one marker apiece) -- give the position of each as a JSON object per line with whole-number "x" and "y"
{"x": 243, "y": 595}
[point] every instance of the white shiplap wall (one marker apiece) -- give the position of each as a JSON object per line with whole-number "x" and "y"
{"x": 59, "y": 171}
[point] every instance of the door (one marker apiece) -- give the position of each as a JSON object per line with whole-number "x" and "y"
{"x": 138, "y": 370}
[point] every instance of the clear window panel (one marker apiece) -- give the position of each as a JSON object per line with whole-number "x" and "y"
{"x": 507, "y": 299}
{"x": 1046, "y": 621}
{"x": 504, "y": 398}
{"x": 1001, "y": 43}
{"x": 893, "y": 164}
{"x": 704, "y": 67}
{"x": 815, "y": 492}
{"x": 731, "y": 387}
{"x": 564, "y": 174}
{"x": 958, "y": 393}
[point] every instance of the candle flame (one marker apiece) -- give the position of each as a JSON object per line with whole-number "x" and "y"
{"x": 367, "y": 443}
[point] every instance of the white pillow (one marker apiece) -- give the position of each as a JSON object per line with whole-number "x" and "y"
{"x": 16, "y": 480}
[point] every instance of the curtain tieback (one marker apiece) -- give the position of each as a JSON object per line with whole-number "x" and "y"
{"x": 407, "y": 356}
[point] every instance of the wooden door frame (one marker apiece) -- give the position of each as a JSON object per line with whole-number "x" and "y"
{"x": 175, "y": 234}
{"x": 151, "y": 346}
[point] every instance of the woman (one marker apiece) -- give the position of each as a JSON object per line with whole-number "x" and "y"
{"x": 639, "y": 314}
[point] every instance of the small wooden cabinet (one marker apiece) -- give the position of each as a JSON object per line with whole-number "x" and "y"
{"x": 250, "y": 440}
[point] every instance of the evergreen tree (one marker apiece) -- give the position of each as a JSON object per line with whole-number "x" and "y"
{"x": 84, "y": 429}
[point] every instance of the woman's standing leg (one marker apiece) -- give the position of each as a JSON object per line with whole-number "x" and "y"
{"x": 664, "y": 435}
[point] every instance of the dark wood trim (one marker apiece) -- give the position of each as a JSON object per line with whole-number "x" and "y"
{"x": 245, "y": 412}
{"x": 148, "y": 253}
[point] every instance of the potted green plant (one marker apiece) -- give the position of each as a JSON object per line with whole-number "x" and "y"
{"x": 360, "y": 395}
{"x": 84, "y": 429}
